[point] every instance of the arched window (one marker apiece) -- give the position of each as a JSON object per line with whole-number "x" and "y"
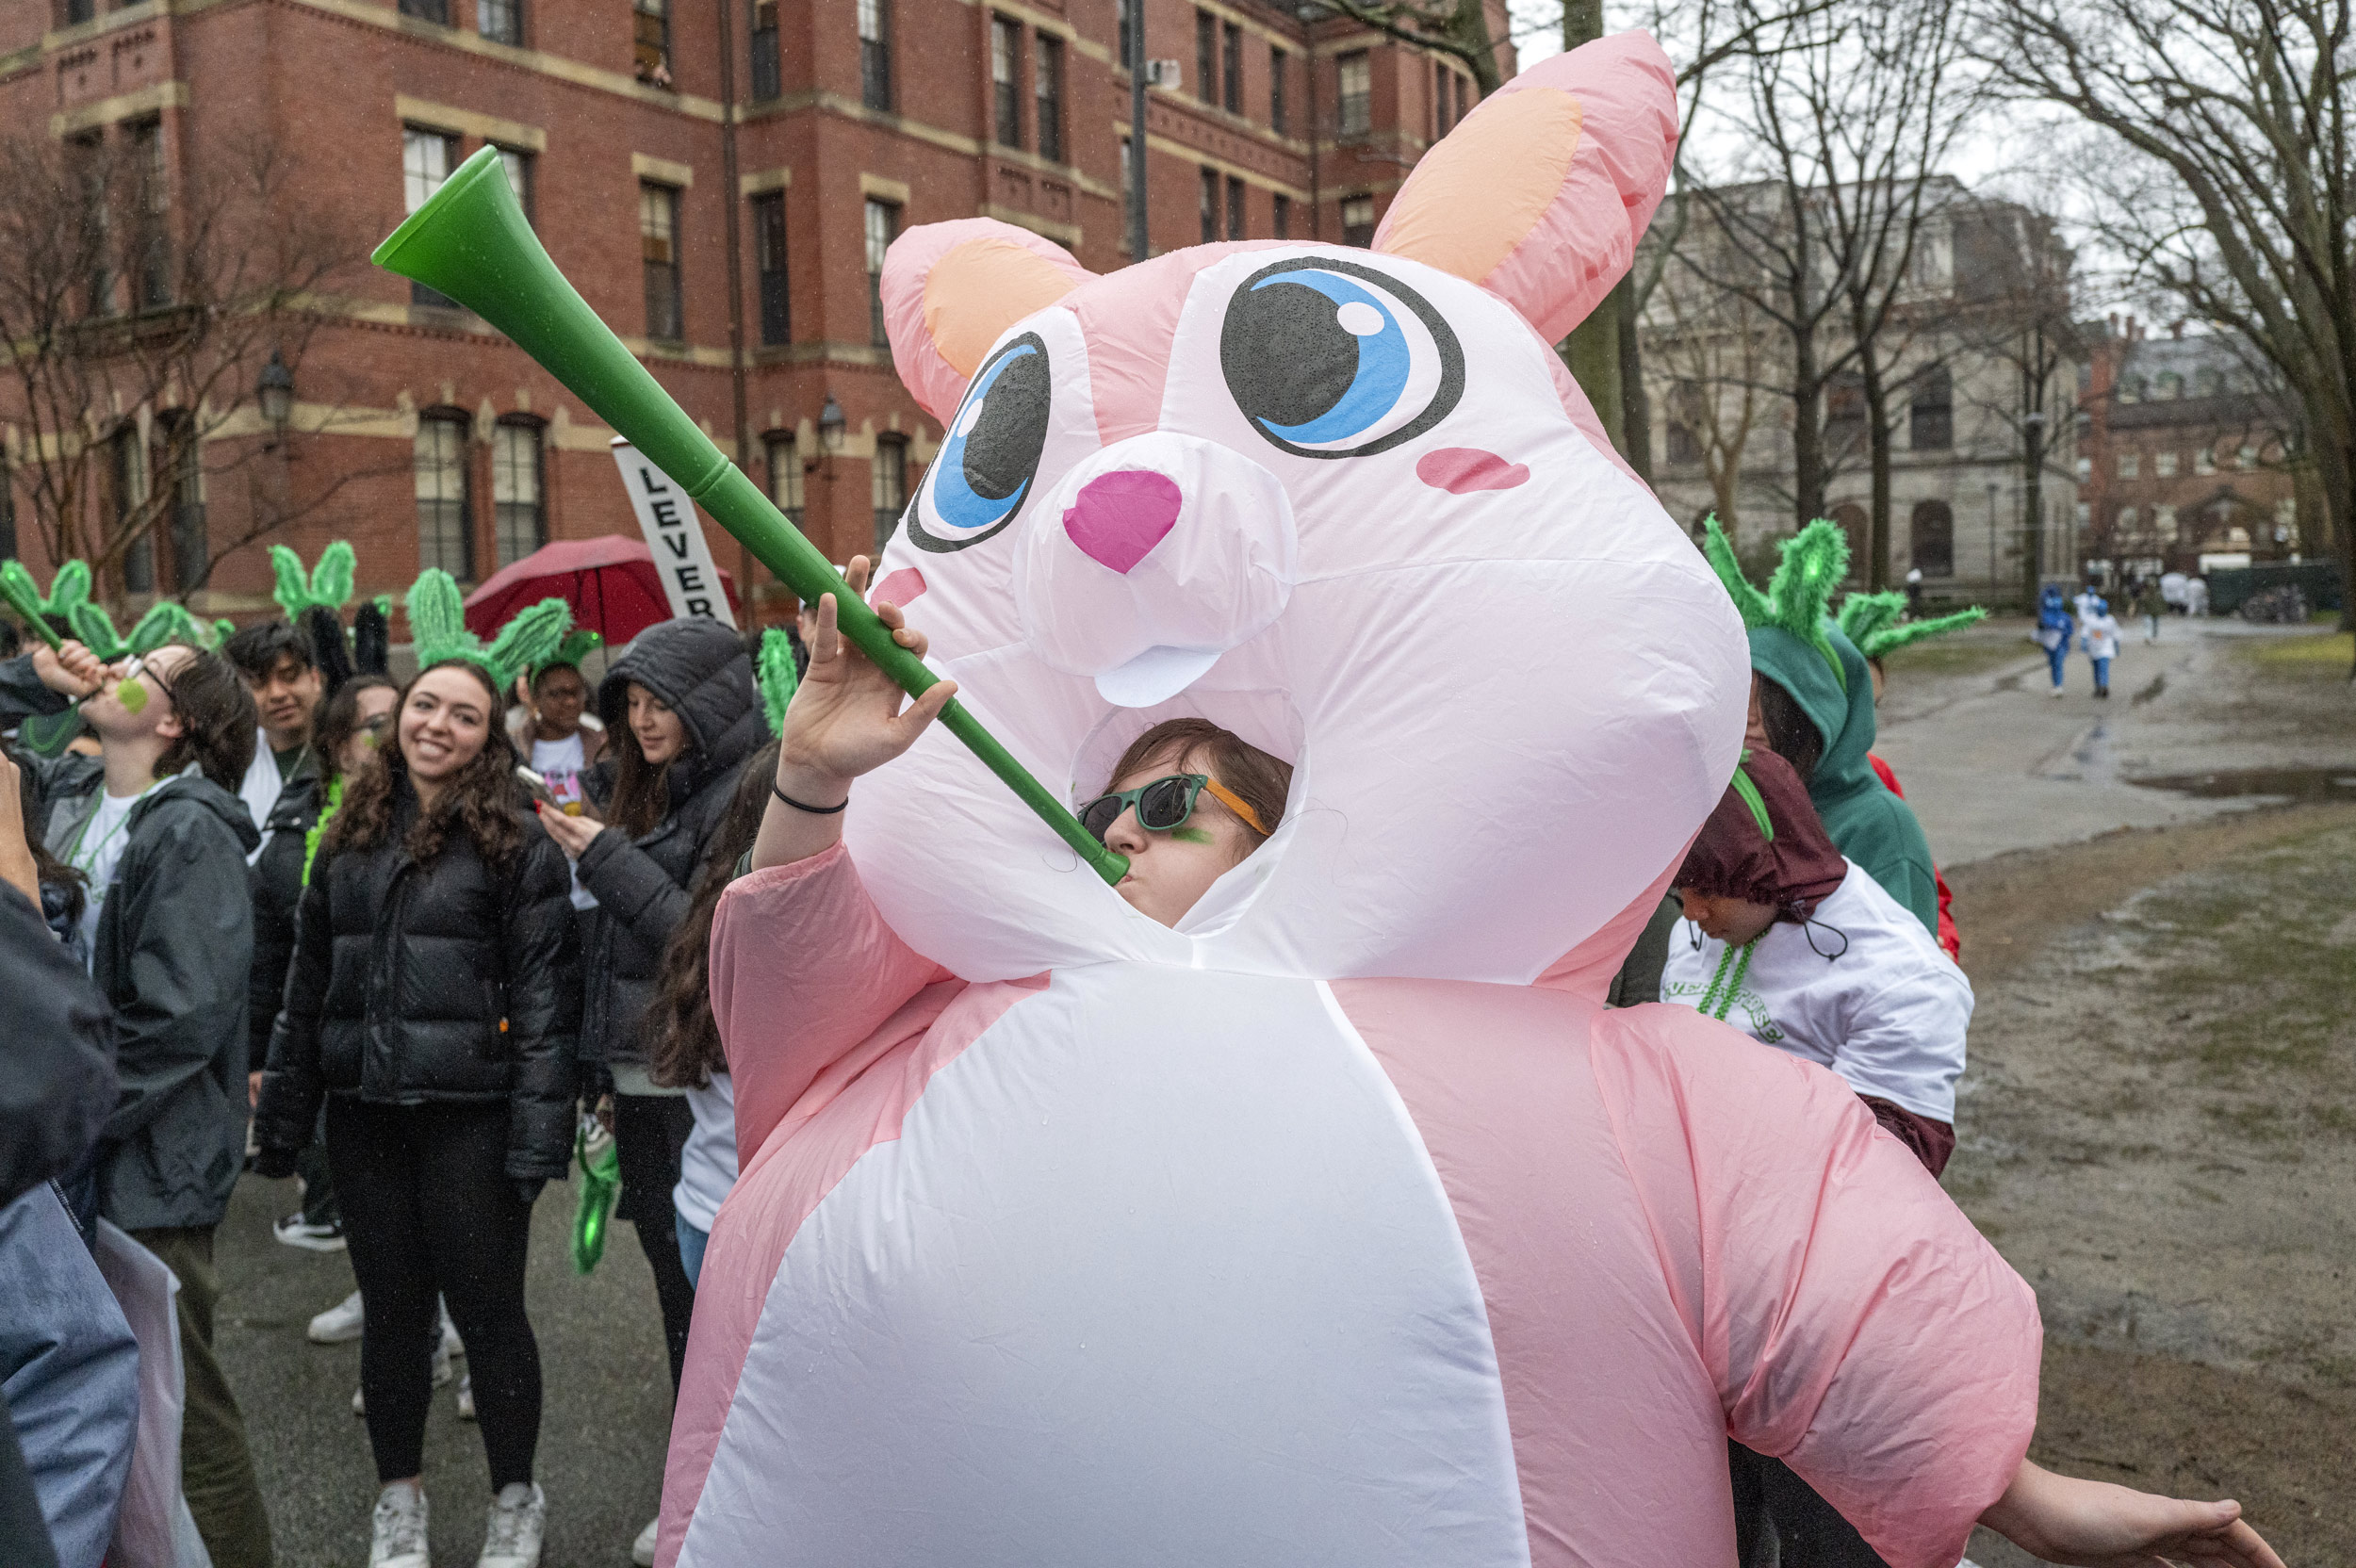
{"x": 1931, "y": 414}
{"x": 1931, "y": 539}
{"x": 2171, "y": 385}
{"x": 2131, "y": 389}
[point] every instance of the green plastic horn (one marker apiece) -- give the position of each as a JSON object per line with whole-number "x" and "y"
{"x": 472, "y": 243}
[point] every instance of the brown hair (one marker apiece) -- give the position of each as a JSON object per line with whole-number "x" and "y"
{"x": 482, "y": 798}
{"x": 1791, "y": 733}
{"x": 642, "y": 789}
{"x": 217, "y": 721}
{"x": 1260, "y": 779}
{"x": 338, "y": 720}
{"x": 687, "y": 1048}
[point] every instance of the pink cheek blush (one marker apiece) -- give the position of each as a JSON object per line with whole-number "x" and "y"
{"x": 900, "y": 588}
{"x": 1461, "y": 471}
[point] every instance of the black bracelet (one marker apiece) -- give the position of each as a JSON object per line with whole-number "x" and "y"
{"x": 813, "y": 810}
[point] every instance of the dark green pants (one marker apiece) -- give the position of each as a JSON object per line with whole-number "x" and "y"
{"x": 216, "y": 1471}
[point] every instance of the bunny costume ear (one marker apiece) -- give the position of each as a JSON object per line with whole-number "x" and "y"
{"x": 949, "y": 290}
{"x": 1540, "y": 194}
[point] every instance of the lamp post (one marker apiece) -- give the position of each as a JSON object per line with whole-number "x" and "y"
{"x": 274, "y": 393}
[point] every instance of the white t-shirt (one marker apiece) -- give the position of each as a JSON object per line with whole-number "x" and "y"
{"x": 97, "y": 852}
{"x": 1888, "y": 1009}
{"x": 707, "y": 1165}
{"x": 562, "y": 763}
{"x": 2101, "y": 635}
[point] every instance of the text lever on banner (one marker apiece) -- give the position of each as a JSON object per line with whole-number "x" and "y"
{"x": 683, "y": 558}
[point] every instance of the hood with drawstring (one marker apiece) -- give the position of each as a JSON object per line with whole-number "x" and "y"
{"x": 1868, "y": 823}
{"x": 1764, "y": 843}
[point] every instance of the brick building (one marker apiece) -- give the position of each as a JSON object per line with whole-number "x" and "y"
{"x": 2182, "y": 459}
{"x": 635, "y": 134}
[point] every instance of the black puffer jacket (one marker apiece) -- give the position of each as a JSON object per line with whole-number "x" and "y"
{"x": 700, "y": 669}
{"x": 450, "y": 981}
{"x": 277, "y": 891}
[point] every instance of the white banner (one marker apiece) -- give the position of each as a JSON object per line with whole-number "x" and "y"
{"x": 682, "y": 557}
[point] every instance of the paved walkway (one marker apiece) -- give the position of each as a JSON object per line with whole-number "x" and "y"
{"x": 1992, "y": 762}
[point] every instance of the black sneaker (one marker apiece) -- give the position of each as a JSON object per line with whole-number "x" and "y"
{"x": 312, "y": 1237}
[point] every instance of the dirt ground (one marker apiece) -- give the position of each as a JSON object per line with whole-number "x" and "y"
{"x": 2159, "y": 1129}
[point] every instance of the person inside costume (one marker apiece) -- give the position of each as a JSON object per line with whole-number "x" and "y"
{"x": 433, "y": 1003}
{"x": 2055, "y": 628}
{"x": 2098, "y": 633}
{"x": 1300, "y": 1201}
{"x": 1812, "y": 705}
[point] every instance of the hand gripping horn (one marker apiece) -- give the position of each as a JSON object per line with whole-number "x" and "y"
{"x": 471, "y": 241}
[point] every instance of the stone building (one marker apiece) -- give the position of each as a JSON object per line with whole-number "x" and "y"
{"x": 720, "y": 181}
{"x": 2183, "y": 467}
{"x": 1978, "y": 357}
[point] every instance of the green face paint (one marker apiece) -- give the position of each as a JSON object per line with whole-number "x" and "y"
{"x": 1190, "y": 836}
{"x": 132, "y": 695}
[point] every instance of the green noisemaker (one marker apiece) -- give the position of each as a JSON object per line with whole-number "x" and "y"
{"x": 472, "y": 243}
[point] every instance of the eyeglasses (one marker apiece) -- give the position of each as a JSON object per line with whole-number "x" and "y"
{"x": 1164, "y": 804}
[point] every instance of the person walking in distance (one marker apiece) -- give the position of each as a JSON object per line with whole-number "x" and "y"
{"x": 156, "y": 830}
{"x": 2055, "y": 628}
{"x": 2151, "y": 605}
{"x": 682, "y": 715}
{"x": 2098, "y": 633}
{"x": 433, "y": 1002}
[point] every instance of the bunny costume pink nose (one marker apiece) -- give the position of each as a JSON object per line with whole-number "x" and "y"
{"x": 1172, "y": 550}
{"x": 1119, "y": 517}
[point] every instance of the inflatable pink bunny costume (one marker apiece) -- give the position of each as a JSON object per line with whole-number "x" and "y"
{"x": 1340, "y": 1224}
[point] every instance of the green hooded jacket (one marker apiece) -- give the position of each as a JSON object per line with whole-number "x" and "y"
{"x": 1868, "y": 823}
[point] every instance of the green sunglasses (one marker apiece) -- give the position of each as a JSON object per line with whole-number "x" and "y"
{"x": 1164, "y": 804}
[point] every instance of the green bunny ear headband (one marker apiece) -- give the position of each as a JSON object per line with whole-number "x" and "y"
{"x": 69, "y": 588}
{"x": 776, "y": 677}
{"x": 437, "y": 625}
{"x": 328, "y": 586}
{"x": 1872, "y": 622}
{"x": 1799, "y": 596}
{"x": 169, "y": 622}
{"x": 577, "y": 645}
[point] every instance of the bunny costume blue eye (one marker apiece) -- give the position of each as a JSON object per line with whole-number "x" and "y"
{"x": 987, "y": 464}
{"x": 1330, "y": 358}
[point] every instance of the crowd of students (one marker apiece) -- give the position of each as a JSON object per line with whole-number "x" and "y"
{"x": 421, "y": 929}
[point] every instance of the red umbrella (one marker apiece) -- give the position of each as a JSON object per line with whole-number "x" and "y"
{"x": 611, "y": 582}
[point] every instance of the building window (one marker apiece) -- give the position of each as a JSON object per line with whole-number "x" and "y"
{"x": 1210, "y": 206}
{"x": 785, "y": 476}
{"x": 1281, "y": 220}
{"x": 2083, "y": 515}
{"x": 152, "y": 246}
{"x": 2163, "y": 522}
{"x": 2131, "y": 389}
{"x": 1206, "y": 56}
{"x": 1278, "y": 62}
{"x": 2209, "y": 383}
{"x": 1126, "y": 8}
{"x": 658, "y": 238}
{"x": 767, "y": 83}
{"x": 426, "y": 159}
{"x": 1684, "y": 443}
{"x": 88, "y": 153}
{"x": 427, "y": 10}
{"x": 500, "y": 21}
{"x": 2129, "y": 465}
{"x": 444, "y": 527}
{"x": 129, "y": 461}
{"x": 1845, "y": 412}
{"x": 1931, "y": 544}
{"x": 1358, "y": 220}
{"x": 2204, "y": 461}
{"x": 1931, "y": 414}
{"x": 191, "y": 550}
{"x": 517, "y": 165}
{"x": 1006, "y": 51}
{"x": 769, "y": 265}
{"x": 2086, "y": 469}
{"x": 883, "y": 228}
{"x": 2169, "y": 385}
{"x": 1234, "y": 208}
{"x": 1231, "y": 67}
{"x": 519, "y": 520}
{"x": 1354, "y": 103}
{"x": 650, "y": 41}
{"x": 890, "y": 476}
{"x": 2247, "y": 458}
{"x": 875, "y": 54}
{"x": 79, "y": 10}
{"x": 2164, "y": 464}
{"x": 1047, "y": 73}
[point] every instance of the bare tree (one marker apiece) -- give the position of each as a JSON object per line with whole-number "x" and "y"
{"x": 2245, "y": 106}
{"x": 1845, "y": 115}
{"x": 137, "y": 322}
{"x": 1709, "y": 367}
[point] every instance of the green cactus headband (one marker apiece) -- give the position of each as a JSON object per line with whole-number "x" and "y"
{"x": 1799, "y": 596}
{"x": 1876, "y": 623}
{"x": 69, "y": 588}
{"x": 437, "y": 625}
{"x": 776, "y": 678}
{"x": 69, "y": 598}
{"x": 329, "y": 586}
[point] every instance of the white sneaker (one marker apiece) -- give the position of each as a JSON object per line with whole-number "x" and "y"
{"x": 398, "y": 1536}
{"x": 466, "y": 1398}
{"x": 510, "y": 1539}
{"x": 642, "y": 1549}
{"x": 338, "y": 1323}
{"x": 2057, "y": 691}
